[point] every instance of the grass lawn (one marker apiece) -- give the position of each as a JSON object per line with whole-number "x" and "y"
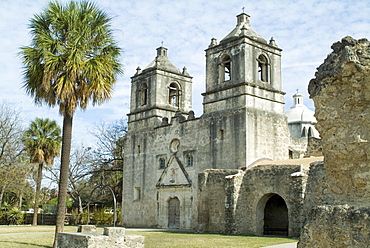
{"x": 42, "y": 236}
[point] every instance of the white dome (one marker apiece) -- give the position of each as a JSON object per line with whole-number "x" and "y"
{"x": 299, "y": 112}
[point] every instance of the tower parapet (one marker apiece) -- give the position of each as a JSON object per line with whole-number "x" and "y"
{"x": 159, "y": 91}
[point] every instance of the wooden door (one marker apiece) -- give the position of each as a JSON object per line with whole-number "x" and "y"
{"x": 174, "y": 213}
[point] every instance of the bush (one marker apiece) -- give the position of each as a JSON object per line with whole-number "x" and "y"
{"x": 11, "y": 215}
{"x": 101, "y": 218}
{"x": 15, "y": 216}
{"x": 79, "y": 218}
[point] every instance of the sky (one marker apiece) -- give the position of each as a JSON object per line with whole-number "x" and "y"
{"x": 304, "y": 29}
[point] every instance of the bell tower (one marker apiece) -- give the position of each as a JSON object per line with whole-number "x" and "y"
{"x": 241, "y": 67}
{"x": 159, "y": 91}
{"x": 243, "y": 98}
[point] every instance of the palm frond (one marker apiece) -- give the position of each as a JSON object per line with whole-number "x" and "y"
{"x": 73, "y": 59}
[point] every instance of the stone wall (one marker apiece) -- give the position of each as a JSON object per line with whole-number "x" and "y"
{"x": 215, "y": 199}
{"x": 113, "y": 237}
{"x": 314, "y": 147}
{"x": 228, "y": 139}
{"x": 339, "y": 207}
{"x": 234, "y": 201}
{"x": 297, "y": 147}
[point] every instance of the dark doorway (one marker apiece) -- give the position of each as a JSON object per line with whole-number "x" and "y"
{"x": 174, "y": 213}
{"x": 276, "y": 220}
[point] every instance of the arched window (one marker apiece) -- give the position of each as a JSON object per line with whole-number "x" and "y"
{"x": 225, "y": 68}
{"x": 143, "y": 94}
{"x": 263, "y": 69}
{"x": 310, "y": 132}
{"x": 304, "y": 132}
{"x": 174, "y": 95}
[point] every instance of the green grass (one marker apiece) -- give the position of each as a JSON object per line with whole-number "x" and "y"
{"x": 42, "y": 236}
{"x": 194, "y": 240}
{"x": 29, "y": 236}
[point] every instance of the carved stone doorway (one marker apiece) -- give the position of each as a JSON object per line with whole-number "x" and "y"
{"x": 276, "y": 221}
{"x": 174, "y": 213}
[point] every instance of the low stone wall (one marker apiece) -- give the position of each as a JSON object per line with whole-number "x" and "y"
{"x": 214, "y": 201}
{"x": 112, "y": 237}
{"x": 233, "y": 202}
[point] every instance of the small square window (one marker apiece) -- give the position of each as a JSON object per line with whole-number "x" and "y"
{"x": 162, "y": 163}
{"x": 137, "y": 194}
{"x": 189, "y": 160}
{"x": 221, "y": 134}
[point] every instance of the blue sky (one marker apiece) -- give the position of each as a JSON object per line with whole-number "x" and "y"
{"x": 304, "y": 29}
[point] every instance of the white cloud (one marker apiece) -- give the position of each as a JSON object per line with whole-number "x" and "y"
{"x": 304, "y": 30}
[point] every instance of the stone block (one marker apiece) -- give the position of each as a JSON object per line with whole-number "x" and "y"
{"x": 113, "y": 237}
{"x": 86, "y": 229}
{"x": 114, "y": 231}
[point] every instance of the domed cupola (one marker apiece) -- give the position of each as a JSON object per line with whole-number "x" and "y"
{"x": 243, "y": 28}
{"x": 301, "y": 120}
{"x": 162, "y": 62}
{"x": 159, "y": 91}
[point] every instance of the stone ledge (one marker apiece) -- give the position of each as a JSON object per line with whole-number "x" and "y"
{"x": 113, "y": 237}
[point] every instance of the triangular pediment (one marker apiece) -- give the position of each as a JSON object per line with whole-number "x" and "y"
{"x": 174, "y": 174}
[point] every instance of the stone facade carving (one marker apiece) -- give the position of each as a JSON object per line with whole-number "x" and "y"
{"x": 338, "y": 194}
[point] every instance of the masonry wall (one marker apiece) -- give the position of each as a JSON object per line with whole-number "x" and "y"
{"x": 234, "y": 203}
{"x": 215, "y": 200}
{"x": 208, "y": 139}
{"x": 224, "y": 139}
{"x": 144, "y": 203}
{"x": 339, "y": 208}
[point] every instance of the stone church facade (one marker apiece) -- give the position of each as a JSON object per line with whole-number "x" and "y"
{"x": 170, "y": 153}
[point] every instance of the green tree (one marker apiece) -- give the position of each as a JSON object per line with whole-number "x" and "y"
{"x": 42, "y": 140}
{"x": 72, "y": 61}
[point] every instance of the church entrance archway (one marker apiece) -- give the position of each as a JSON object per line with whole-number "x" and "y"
{"x": 276, "y": 221}
{"x": 174, "y": 213}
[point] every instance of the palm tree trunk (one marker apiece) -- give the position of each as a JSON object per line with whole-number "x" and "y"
{"x": 63, "y": 177}
{"x": 37, "y": 194}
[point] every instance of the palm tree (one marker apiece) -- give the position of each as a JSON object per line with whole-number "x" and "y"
{"x": 72, "y": 61}
{"x": 42, "y": 140}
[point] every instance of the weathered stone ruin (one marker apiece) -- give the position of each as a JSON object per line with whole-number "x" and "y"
{"x": 266, "y": 199}
{"x": 87, "y": 237}
{"x": 338, "y": 191}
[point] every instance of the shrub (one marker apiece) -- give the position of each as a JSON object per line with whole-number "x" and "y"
{"x": 78, "y": 218}
{"x": 15, "y": 216}
{"x": 101, "y": 218}
{"x": 10, "y": 215}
